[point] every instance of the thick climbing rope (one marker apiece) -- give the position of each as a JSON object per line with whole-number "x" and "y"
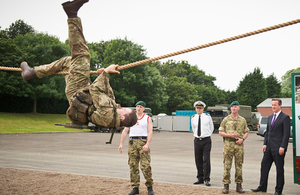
{"x": 186, "y": 50}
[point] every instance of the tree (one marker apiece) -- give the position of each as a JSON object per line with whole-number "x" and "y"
{"x": 19, "y": 27}
{"x": 184, "y": 69}
{"x": 286, "y": 84}
{"x": 136, "y": 83}
{"x": 11, "y": 83}
{"x": 38, "y": 49}
{"x": 182, "y": 94}
{"x": 230, "y": 96}
{"x": 273, "y": 86}
{"x": 211, "y": 95}
{"x": 252, "y": 90}
{"x": 96, "y": 53}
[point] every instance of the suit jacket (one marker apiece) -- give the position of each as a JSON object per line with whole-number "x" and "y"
{"x": 278, "y": 135}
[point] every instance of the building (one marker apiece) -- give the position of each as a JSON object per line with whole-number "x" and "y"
{"x": 265, "y": 108}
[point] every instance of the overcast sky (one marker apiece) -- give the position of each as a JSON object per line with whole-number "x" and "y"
{"x": 166, "y": 26}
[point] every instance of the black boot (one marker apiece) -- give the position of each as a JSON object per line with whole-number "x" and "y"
{"x": 226, "y": 189}
{"x": 150, "y": 191}
{"x": 134, "y": 191}
{"x": 27, "y": 71}
{"x": 239, "y": 188}
{"x": 71, "y": 7}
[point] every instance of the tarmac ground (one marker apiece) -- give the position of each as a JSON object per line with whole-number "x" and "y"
{"x": 172, "y": 157}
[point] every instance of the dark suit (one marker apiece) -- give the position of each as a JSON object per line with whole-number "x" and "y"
{"x": 276, "y": 136}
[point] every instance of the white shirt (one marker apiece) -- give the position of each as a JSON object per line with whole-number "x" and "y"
{"x": 207, "y": 126}
{"x": 141, "y": 127}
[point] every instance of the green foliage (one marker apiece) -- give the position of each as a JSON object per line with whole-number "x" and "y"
{"x": 182, "y": 94}
{"x": 230, "y": 96}
{"x": 286, "y": 84}
{"x": 133, "y": 84}
{"x": 252, "y": 90}
{"x": 273, "y": 86}
{"x": 19, "y": 28}
{"x": 184, "y": 69}
{"x": 96, "y": 52}
{"x": 11, "y": 83}
{"x": 40, "y": 49}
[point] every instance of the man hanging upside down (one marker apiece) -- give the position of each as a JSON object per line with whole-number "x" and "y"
{"x": 88, "y": 102}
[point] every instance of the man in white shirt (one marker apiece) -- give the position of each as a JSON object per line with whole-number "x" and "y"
{"x": 203, "y": 127}
{"x": 140, "y": 136}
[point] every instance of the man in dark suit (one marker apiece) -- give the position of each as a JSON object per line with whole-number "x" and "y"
{"x": 275, "y": 147}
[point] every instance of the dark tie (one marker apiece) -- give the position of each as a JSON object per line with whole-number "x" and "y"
{"x": 199, "y": 126}
{"x": 273, "y": 120}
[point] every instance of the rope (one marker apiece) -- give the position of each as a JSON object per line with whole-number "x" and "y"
{"x": 186, "y": 50}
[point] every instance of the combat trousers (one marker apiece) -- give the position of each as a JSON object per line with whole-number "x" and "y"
{"x": 78, "y": 65}
{"x": 136, "y": 156}
{"x": 231, "y": 149}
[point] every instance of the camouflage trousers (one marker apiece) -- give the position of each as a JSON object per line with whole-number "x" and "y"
{"x": 77, "y": 65}
{"x": 230, "y": 150}
{"x": 136, "y": 156}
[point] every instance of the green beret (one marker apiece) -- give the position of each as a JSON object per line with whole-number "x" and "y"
{"x": 141, "y": 103}
{"x": 235, "y": 103}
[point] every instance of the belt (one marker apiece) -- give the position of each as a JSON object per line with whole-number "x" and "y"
{"x": 230, "y": 139}
{"x": 138, "y": 137}
{"x": 201, "y": 138}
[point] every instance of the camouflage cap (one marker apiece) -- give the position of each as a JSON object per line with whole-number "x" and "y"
{"x": 235, "y": 103}
{"x": 141, "y": 103}
{"x": 199, "y": 104}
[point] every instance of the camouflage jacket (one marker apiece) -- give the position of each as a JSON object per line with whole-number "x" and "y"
{"x": 105, "y": 113}
{"x": 239, "y": 125}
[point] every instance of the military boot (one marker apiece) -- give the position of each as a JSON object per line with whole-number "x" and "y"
{"x": 239, "y": 188}
{"x": 27, "y": 71}
{"x": 134, "y": 191}
{"x": 226, "y": 189}
{"x": 71, "y": 7}
{"x": 150, "y": 191}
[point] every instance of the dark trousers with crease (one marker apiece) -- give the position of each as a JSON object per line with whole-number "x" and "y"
{"x": 202, "y": 150}
{"x": 266, "y": 163}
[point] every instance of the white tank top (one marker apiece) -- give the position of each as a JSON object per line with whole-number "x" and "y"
{"x": 140, "y": 128}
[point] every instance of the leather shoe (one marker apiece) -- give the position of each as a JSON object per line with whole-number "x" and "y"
{"x": 27, "y": 71}
{"x": 150, "y": 191}
{"x": 71, "y": 7}
{"x": 207, "y": 183}
{"x": 134, "y": 191}
{"x": 277, "y": 193}
{"x": 258, "y": 189}
{"x": 198, "y": 182}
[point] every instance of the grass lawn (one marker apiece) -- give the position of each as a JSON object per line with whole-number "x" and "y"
{"x": 33, "y": 123}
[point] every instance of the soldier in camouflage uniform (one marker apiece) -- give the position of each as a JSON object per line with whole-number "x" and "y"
{"x": 88, "y": 103}
{"x": 138, "y": 149}
{"x": 234, "y": 130}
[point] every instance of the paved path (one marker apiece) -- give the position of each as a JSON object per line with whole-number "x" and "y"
{"x": 171, "y": 152}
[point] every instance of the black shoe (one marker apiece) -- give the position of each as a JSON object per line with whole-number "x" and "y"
{"x": 71, "y": 7}
{"x": 258, "y": 189}
{"x": 134, "y": 191}
{"x": 207, "y": 183}
{"x": 198, "y": 182}
{"x": 277, "y": 193}
{"x": 150, "y": 191}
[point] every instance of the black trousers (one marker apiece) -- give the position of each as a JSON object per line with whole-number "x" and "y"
{"x": 266, "y": 163}
{"x": 202, "y": 158}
